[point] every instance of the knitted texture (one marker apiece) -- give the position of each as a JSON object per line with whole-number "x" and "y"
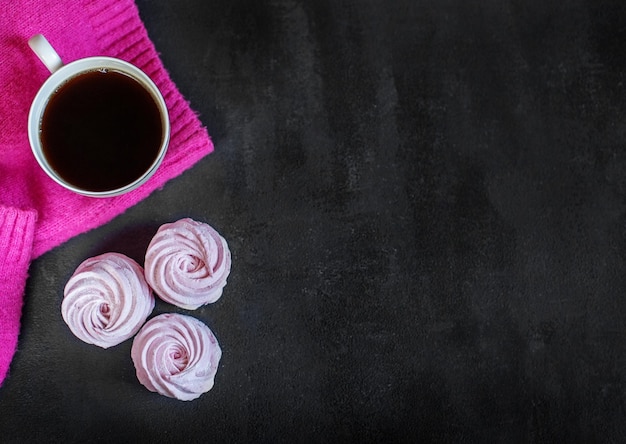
{"x": 17, "y": 228}
{"x": 36, "y": 214}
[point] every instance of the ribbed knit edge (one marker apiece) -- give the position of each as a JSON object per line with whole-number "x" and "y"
{"x": 17, "y": 229}
{"x": 118, "y": 28}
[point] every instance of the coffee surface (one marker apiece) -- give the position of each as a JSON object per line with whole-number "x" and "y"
{"x": 101, "y": 130}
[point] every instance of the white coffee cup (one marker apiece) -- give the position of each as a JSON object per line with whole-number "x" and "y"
{"x": 60, "y": 75}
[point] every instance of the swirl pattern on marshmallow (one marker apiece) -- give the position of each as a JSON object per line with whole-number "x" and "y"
{"x": 176, "y": 356}
{"x": 106, "y": 300}
{"x": 187, "y": 263}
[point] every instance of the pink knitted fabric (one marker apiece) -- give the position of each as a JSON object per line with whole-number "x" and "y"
{"x": 36, "y": 214}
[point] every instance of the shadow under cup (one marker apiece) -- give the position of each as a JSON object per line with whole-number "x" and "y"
{"x": 99, "y": 127}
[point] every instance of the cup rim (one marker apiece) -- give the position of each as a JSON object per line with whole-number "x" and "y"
{"x": 65, "y": 73}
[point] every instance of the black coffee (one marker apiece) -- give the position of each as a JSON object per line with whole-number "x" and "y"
{"x": 101, "y": 130}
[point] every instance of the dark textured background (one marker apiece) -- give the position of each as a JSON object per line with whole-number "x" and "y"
{"x": 425, "y": 203}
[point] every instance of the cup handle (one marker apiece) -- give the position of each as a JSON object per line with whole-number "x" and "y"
{"x": 45, "y": 52}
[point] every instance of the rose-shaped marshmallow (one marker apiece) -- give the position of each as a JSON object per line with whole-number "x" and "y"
{"x": 176, "y": 356}
{"x": 107, "y": 300}
{"x": 187, "y": 263}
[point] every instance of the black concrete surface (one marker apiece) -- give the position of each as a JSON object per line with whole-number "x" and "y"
{"x": 425, "y": 202}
